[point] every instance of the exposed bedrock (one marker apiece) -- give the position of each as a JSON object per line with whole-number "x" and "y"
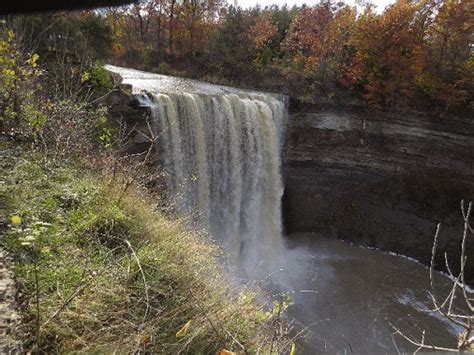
{"x": 382, "y": 180}
{"x": 130, "y": 118}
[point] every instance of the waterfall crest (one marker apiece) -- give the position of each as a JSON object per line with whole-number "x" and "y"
{"x": 221, "y": 149}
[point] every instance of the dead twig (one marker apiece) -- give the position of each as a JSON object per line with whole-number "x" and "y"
{"x": 37, "y": 302}
{"x": 65, "y": 304}
{"x": 420, "y": 344}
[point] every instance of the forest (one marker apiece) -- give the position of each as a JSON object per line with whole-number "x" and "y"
{"x": 412, "y": 55}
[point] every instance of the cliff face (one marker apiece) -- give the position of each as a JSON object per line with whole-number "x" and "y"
{"x": 382, "y": 180}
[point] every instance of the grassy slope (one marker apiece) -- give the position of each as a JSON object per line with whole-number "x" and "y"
{"x": 90, "y": 250}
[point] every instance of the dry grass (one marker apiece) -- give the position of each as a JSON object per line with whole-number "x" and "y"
{"x": 115, "y": 275}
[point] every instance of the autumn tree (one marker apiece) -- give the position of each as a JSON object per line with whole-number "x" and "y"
{"x": 416, "y": 53}
{"x": 389, "y": 52}
{"x": 230, "y": 53}
{"x": 194, "y": 21}
{"x": 306, "y": 35}
{"x": 261, "y": 34}
{"x": 338, "y": 49}
{"x": 449, "y": 76}
{"x": 282, "y": 17}
{"x": 138, "y": 31}
{"x": 149, "y": 32}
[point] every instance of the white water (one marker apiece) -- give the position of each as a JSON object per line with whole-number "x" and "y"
{"x": 221, "y": 149}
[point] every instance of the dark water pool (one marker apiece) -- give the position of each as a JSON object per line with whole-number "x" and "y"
{"x": 347, "y": 296}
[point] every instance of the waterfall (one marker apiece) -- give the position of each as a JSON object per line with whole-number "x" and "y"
{"x": 220, "y": 148}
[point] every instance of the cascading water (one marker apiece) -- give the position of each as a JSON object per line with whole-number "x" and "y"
{"x": 221, "y": 149}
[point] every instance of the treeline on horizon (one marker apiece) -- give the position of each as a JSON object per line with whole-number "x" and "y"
{"x": 413, "y": 55}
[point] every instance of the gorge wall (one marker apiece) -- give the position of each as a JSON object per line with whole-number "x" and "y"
{"x": 381, "y": 180}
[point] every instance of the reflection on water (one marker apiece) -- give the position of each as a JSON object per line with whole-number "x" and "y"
{"x": 347, "y": 296}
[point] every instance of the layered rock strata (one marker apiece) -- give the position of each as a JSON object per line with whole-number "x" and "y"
{"x": 382, "y": 180}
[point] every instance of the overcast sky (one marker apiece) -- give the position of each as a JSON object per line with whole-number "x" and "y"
{"x": 250, "y": 3}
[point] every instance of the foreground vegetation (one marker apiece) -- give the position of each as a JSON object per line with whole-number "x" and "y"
{"x": 102, "y": 273}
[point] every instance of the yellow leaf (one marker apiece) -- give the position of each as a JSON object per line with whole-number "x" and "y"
{"x": 226, "y": 352}
{"x": 293, "y": 349}
{"x": 145, "y": 339}
{"x": 183, "y": 331}
{"x": 33, "y": 59}
{"x": 85, "y": 77}
{"x": 16, "y": 220}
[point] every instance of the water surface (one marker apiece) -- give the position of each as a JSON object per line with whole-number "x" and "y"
{"x": 347, "y": 297}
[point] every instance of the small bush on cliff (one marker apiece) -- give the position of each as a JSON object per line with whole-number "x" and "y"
{"x": 19, "y": 89}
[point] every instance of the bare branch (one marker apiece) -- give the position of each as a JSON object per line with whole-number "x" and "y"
{"x": 433, "y": 254}
{"x": 466, "y": 339}
{"x": 422, "y": 344}
{"x": 152, "y": 140}
{"x": 65, "y": 303}
{"x": 466, "y": 215}
{"x": 419, "y": 344}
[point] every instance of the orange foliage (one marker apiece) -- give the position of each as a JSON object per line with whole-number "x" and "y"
{"x": 163, "y": 26}
{"x": 305, "y": 36}
{"x": 389, "y": 52}
{"x": 449, "y": 78}
{"x": 193, "y": 24}
{"x": 262, "y": 32}
{"x": 414, "y": 51}
{"x": 337, "y": 47}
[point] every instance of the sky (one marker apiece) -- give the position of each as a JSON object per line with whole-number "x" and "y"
{"x": 251, "y": 3}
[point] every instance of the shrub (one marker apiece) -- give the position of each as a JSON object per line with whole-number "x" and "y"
{"x": 20, "y": 90}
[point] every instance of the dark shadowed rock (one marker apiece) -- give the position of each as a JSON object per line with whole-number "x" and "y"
{"x": 28, "y": 6}
{"x": 130, "y": 119}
